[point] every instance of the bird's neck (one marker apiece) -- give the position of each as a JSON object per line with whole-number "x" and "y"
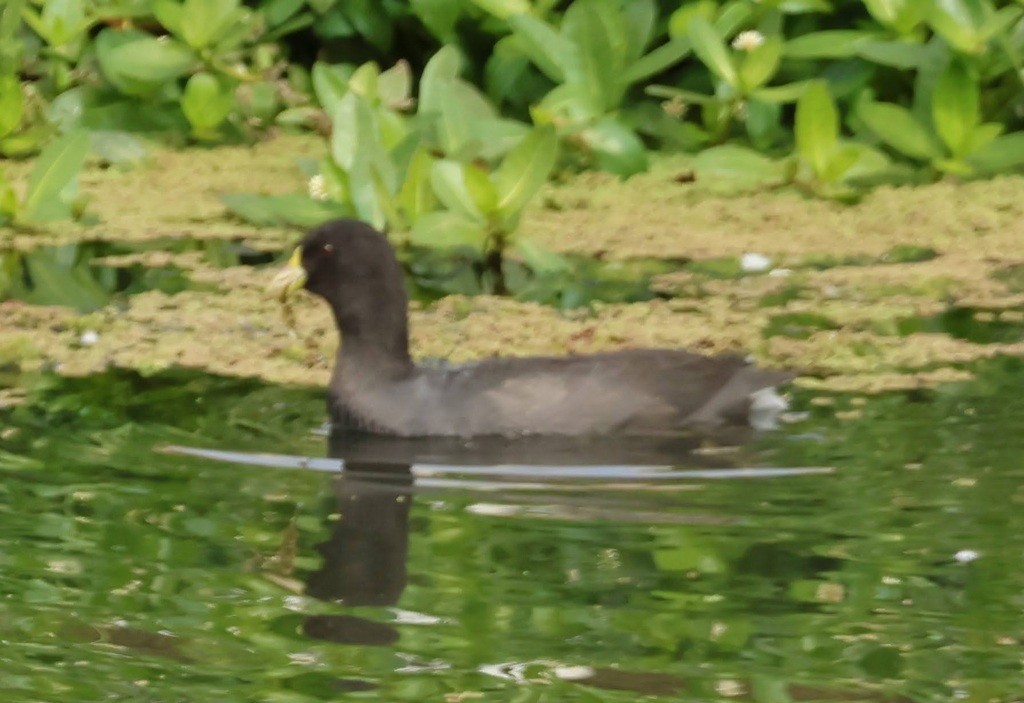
{"x": 375, "y": 338}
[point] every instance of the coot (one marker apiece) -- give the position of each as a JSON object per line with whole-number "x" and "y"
{"x": 377, "y": 387}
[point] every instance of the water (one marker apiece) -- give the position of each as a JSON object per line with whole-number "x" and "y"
{"x": 130, "y": 571}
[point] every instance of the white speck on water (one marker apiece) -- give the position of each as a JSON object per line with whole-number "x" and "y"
{"x": 574, "y": 673}
{"x": 753, "y": 262}
{"x": 966, "y": 556}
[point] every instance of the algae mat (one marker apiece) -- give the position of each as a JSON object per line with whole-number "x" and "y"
{"x": 839, "y": 300}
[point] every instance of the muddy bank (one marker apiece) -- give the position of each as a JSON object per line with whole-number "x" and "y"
{"x": 841, "y": 297}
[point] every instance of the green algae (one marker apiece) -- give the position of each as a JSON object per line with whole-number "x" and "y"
{"x": 852, "y": 276}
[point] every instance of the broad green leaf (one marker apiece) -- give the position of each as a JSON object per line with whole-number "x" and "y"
{"x": 639, "y": 17}
{"x": 710, "y": 49}
{"x": 277, "y": 12}
{"x": 394, "y": 86}
{"x": 897, "y": 127}
{"x": 354, "y": 135}
{"x": 449, "y": 230}
{"x": 138, "y": 64}
{"x": 497, "y": 136}
{"x": 616, "y": 148}
{"x": 658, "y": 60}
{"x": 788, "y": 93}
{"x": 1002, "y": 154}
{"x": 12, "y": 103}
{"x": 679, "y": 21}
{"x": 330, "y": 84}
{"x": 732, "y": 163}
{"x": 502, "y": 9}
{"x": 55, "y": 169}
{"x": 955, "y": 107}
{"x": 549, "y": 50}
{"x": 958, "y": 22}
{"x": 597, "y": 62}
{"x": 364, "y": 81}
{"x": 817, "y": 127}
{"x": 893, "y": 53}
{"x": 463, "y": 110}
{"x": 448, "y": 179}
{"x": 828, "y": 44}
{"x": 416, "y": 198}
{"x": 1001, "y": 21}
{"x": 982, "y": 136}
{"x": 206, "y": 103}
{"x": 524, "y": 170}
{"x": 840, "y": 162}
{"x": 206, "y": 22}
{"x": 482, "y": 190}
{"x": 442, "y": 68}
{"x": 760, "y": 65}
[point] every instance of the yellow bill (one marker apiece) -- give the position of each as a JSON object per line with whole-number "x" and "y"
{"x": 289, "y": 279}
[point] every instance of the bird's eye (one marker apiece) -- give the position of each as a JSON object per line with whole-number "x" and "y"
{"x": 327, "y": 249}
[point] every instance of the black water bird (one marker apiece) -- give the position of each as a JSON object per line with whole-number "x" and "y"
{"x": 376, "y": 386}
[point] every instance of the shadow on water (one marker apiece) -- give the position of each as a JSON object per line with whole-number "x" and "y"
{"x": 130, "y": 573}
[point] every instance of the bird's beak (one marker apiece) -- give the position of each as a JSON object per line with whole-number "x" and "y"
{"x": 289, "y": 279}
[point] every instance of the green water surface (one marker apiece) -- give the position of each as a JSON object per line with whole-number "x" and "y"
{"x": 130, "y": 574}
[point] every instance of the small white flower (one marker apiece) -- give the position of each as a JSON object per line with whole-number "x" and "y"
{"x": 317, "y": 187}
{"x": 966, "y": 556}
{"x": 748, "y": 40}
{"x": 88, "y": 338}
{"x": 753, "y": 262}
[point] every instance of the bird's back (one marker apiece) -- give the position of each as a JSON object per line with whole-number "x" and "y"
{"x": 636, "y": 391}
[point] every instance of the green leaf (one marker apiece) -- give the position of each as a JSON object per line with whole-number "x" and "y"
{"x": 547, "y": 49}
{"x": 481, "y": 189}
{"x": 788, "y": 93}
{"x": 737, "y": 164}
{"x": 897, "y": 127}
{"x": 139, "y": 64}
{"x": 442, "y": 68}
{"x": 330, "y": 84}
{"x": 760, "y": 65}
{"x": 638, "y": 21}
{"x": 817, "y": 127}
{"x": 616, "y": 148}
{"x": 448, "y": 179}
{"x": 206, "y": 103}
{"x": 54, "y": 171}
{"x": 449, "y": 230}
{"x": 982, "y": 136}
{"x": 958, "y": 22}
{"x": 277, "y": 210}
{"x": 206, "y": 22}
{"x": 12, "y": 104}
{"x": 1004, "y": 153}
{"x": 502, "y": 9}
{"x": 524, "y": 170}
{"x": 597, "y": 58}
{"x": 710, "y": 49}
{"x": 658, "y": 60}
{"x": 955, "y": 109}
{"x": 394, "y": 86}
{"x": 828, "y": 44}
{"x": 679, "y": 21}
{"x": 899, "y": 54}
{"x": 416, "y": 197}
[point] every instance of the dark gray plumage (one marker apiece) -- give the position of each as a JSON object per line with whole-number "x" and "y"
{"x": 376, "y": 386}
